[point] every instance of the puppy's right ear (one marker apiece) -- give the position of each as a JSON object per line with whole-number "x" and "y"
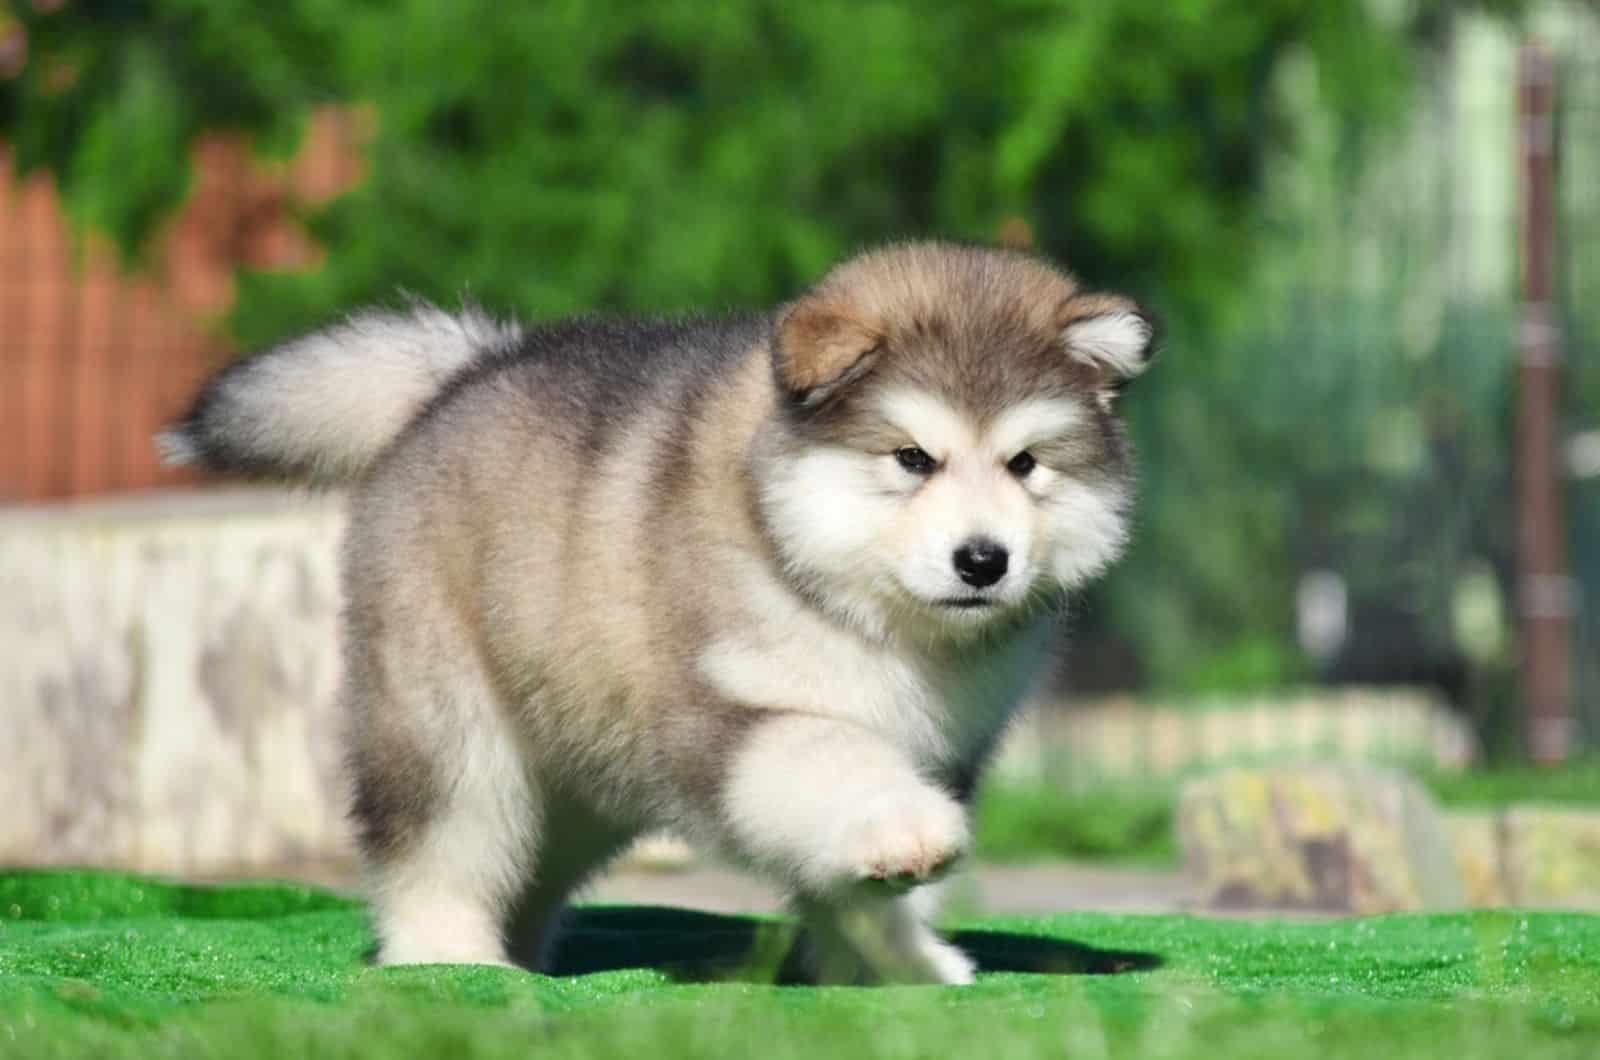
{"x": 820, "y": 347}
{"x": 1110, "y": 332}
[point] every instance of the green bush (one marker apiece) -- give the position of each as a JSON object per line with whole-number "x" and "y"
{"x": 592, "y": 154}
{"x": 1125, "y": 824}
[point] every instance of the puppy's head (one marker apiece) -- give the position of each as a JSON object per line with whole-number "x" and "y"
{"x": 948, "y": 451}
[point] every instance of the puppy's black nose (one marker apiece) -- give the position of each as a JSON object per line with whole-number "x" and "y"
{"x": 981, "y": 562}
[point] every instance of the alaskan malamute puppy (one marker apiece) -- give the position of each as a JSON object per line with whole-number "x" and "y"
{"x": 774, "y": 582}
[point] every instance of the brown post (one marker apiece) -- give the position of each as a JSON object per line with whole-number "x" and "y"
{"x": 1544, "y": 590}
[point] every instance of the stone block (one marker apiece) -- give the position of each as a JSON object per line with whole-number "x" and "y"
{"x": 1475, "y": 841}
{"x": 168, "y": 675}
{"x": 1319, "y": 838}
{"x": 1551, "y": 856}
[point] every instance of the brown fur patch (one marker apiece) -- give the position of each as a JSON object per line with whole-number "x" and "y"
{"x": 395, "y": 793}
{"x": 980, "y": 327}
{"x": 1087, "y": 305}
{"x": 822, "y": 343}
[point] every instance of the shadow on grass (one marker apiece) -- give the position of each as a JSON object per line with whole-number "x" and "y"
{"x": 693, "y": 946}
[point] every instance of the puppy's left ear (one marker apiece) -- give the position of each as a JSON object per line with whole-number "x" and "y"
{"x": 1108, "y": 332}
{"x": 822, "y": 345}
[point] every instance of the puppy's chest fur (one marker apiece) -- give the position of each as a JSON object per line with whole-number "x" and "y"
{"x": 945, "y": 709}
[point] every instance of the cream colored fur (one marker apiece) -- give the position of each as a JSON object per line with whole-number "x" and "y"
{"x": 331, "y": 401}
{"x": 577, "y": 616}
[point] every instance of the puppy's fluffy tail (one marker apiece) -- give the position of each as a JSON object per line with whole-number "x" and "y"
{"x": 320, "y": 409}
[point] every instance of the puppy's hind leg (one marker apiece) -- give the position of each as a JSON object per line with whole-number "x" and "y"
{"x": 576, "y": 844}
{"x": 449, "y": 818}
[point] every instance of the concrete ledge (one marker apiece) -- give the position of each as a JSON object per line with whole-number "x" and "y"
{"x": 168, "y": 672}
{"x": 1124, "y": 739}
{"x": 169, "y": 665}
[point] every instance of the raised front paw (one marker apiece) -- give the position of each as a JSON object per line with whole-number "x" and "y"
{"x": 899, "y": 840}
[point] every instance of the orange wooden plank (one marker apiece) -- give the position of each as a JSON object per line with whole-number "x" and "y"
{"x": 90, "y": 337}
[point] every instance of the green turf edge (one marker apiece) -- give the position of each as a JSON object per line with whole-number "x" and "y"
{"x": 96, "y": 973}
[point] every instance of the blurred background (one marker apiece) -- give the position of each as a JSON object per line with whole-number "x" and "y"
{"x": 1370, "y": 521}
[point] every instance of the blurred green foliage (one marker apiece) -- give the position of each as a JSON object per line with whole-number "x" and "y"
{"x": 577, "y": 155}
{"x": 1124, "y": 823}
{"x": 582, "y": 154}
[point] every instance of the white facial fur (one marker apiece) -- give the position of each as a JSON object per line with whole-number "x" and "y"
{"x": 881, "y": 539}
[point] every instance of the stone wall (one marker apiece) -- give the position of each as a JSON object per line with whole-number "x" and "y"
{"x": 1121, "y": 738}
{"x": 169, "y": 667}
{"x": 168, "y": 670}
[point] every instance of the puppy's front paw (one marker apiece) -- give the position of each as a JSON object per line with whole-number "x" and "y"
{"x": 899, "y": 840}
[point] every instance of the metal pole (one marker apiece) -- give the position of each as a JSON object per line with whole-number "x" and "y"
{"x": 1545, "y": 592}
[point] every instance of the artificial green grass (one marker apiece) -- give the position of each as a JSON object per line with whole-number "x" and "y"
{"x": 109, "y": 965}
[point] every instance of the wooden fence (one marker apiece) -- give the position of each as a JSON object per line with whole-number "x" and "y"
{"x": 93, "y": 358}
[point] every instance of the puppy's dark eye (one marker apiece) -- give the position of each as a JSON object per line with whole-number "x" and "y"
{"x": 917, "y": 461}
{"x": 1021, "y": 464}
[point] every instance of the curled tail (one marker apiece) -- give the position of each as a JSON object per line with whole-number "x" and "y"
{"x": 321, "y": 408}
